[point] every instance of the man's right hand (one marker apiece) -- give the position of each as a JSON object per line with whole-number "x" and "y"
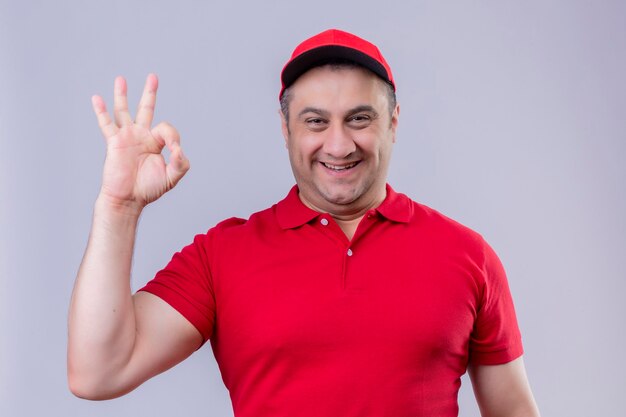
{"x": 116, "y": 341}
{"x": 135, "y": 171}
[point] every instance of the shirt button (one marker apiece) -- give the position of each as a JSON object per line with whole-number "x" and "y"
{"x": 324, "y": 222}
{"x": 349, "y": 252}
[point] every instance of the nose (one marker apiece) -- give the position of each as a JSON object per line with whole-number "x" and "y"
{"x": 338, "y": 143}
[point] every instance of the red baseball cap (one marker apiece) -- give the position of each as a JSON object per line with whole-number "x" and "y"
{"x": 334, "y": 44}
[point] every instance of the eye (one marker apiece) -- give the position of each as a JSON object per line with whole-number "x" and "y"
{"x": 360, "y": 120}
{"x": 316, "y": 123}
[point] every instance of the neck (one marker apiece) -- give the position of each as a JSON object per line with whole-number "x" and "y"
{"x": 347, "y": 217}
{"x": 349, "y": 226}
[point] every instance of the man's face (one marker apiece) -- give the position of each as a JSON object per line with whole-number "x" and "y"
{"x": 339, "y": 136}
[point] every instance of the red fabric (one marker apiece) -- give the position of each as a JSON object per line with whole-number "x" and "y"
{"x": 301, "y": 328}
{"x": 334, "y": 43}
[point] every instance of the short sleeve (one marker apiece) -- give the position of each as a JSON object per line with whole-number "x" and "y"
{"x": 186, "y": 284}
{"x": 496, "y": 337}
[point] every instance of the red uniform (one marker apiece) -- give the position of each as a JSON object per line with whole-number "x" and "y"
{"x": 304, "y": 322}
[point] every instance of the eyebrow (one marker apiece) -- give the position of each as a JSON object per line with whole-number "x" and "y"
{"x": 313, "y": 110}
{"x": 324, "y": 113}
{"x": 362, "y": 108}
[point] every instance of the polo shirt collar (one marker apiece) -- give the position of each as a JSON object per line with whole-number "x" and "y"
{"x": 292, "y": 213}
{"x": 396, "y": 207}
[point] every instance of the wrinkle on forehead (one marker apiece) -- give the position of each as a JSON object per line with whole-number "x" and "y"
{"x": 340, "y": 89}
{"x": 288, "y": 94}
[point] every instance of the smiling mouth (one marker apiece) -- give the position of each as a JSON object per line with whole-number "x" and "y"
{"x": 339, "y": 168}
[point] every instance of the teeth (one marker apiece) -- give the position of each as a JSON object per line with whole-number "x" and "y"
{"x": 339, "y": 167}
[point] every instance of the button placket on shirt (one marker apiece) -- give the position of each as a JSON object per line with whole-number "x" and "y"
{"x": 330, "y": 228}
{"x": 327, "y": 226}
{"x": 368, "y": 221}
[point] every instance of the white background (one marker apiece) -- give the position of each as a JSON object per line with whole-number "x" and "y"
{"x": 513, "y": 122}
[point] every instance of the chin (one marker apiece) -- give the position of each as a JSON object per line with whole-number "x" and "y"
{"x": 341, "y": 198}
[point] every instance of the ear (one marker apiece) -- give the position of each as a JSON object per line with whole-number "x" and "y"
{"x": 283, "y": 125}
{"x": 394, "y": 121}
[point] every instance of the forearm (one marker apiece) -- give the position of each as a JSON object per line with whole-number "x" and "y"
{"x": 101, "y": 317}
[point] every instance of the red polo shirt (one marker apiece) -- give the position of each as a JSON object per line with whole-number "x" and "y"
{"x": 304, "y": 322}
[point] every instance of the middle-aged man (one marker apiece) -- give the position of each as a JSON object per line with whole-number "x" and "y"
{"x": 344, "y": 299}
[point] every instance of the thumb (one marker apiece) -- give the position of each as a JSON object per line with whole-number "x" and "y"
{"x": 177, "y": 166}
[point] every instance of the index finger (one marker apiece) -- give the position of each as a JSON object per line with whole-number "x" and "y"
{"x": 145, "y": 111}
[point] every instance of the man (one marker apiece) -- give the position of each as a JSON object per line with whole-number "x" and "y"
{"x": 344, "y": 299}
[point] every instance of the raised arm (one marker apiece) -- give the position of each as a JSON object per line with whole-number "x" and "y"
{"x": 503, "y": 390}
{"x": 117, "y": 341}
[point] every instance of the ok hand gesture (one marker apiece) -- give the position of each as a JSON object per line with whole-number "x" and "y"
{"x": 135, "y": 171}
